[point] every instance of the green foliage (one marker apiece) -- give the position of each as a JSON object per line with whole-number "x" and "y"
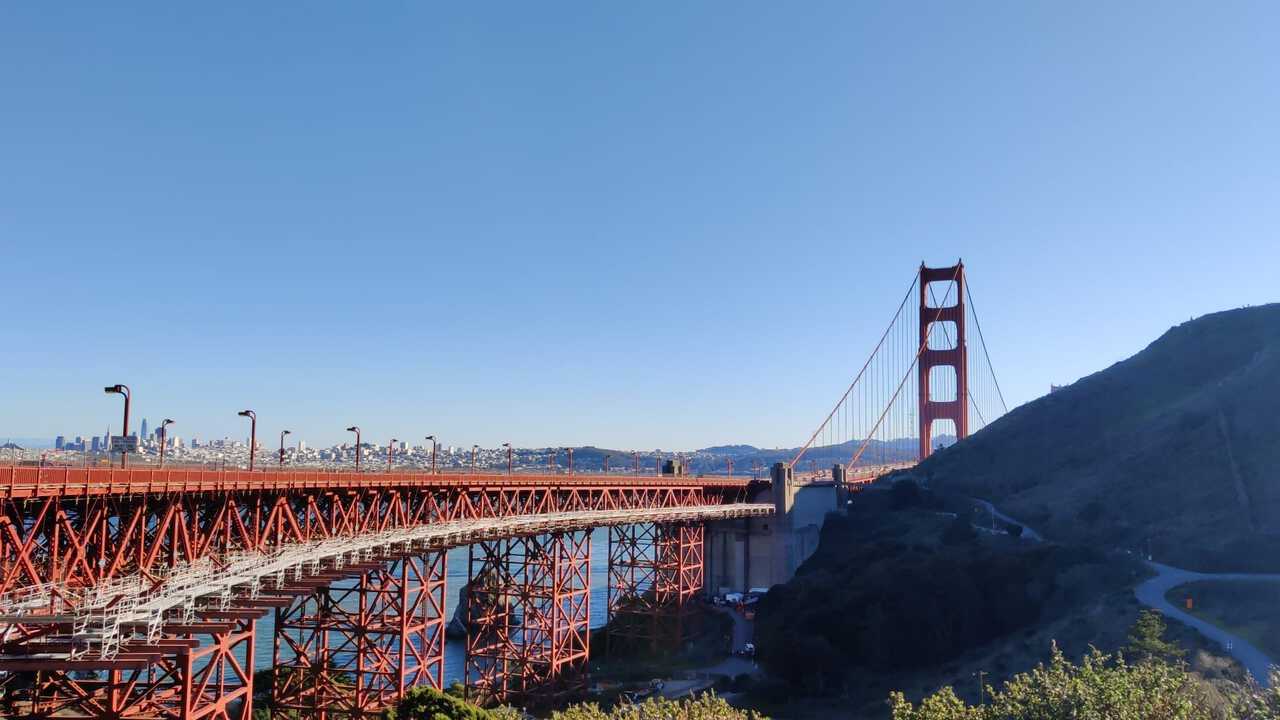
{"x": 942, "y": 705}
{"x": 1259, "y": 703}
{"x": 427, "y": 703}
{"x": 703, "y": 707}
{"x": 1101, "y": 686}
{"x": 1146, "y": 639}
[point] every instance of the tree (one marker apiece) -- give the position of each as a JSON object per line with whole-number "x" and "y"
{"x": 704, "y": 707}
{"x": 1101, "y": 686}
{"x": 427, "y": 703}
{"x": 1260, "y": 703}
{"x": 942, "y": 705}
{"x": 1146, "y": 639}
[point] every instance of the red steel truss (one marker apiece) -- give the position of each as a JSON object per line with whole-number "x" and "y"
{"x": 349, "y": 638}
{"x": 203, "y": 669}
{"x": 655, "y": 572}
{"x": 352, "y": 648}
{"x": 529, "y": 614}
{"x": 79, "y": 527}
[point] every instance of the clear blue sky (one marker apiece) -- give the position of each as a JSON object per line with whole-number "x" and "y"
{"x": 622, "y": 224}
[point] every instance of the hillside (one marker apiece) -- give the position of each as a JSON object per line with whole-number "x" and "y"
{"x": 904, "y": 594}
{"x": 1178, "y": 445}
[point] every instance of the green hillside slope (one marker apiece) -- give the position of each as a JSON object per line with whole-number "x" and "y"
{"x": 1179, "y": 445}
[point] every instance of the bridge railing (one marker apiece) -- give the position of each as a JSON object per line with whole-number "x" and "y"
{"x": 25, "y": 481}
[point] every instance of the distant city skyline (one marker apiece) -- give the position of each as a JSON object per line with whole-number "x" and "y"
{"x": 626, "y": 226}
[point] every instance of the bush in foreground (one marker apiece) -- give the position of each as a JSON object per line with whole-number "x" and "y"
{"x": 424, "y": 703}
{"x": 1101, "y": 686}
{"x": 703, "y": 707}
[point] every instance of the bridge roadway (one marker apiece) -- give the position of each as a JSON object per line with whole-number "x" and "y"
{"x": 82, "y": 526}
{"x": 31, "y": 482}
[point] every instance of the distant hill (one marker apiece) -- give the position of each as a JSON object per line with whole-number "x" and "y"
{"x": 1178, "y": 445}
{"x": 713, "y": 459}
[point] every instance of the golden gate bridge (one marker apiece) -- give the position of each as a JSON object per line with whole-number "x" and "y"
{"x": 135, "y": 592}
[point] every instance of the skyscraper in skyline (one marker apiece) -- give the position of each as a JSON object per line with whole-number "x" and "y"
{"x": 144, "y": 428}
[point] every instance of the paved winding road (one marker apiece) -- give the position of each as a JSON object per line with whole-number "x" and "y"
{"x": 1152, "y": 594}
{"x": 1027, "y": 532}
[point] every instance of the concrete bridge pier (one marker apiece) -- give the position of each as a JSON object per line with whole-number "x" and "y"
{"x": 656, "y": 572}
{"x": 757, "y": 553}
{"x": 351, "y": 647}
{"x": 528, "y": 618}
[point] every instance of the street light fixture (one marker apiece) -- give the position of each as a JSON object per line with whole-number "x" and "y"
{"x": 508, "y": 447}
{"x": 164, "y": 438}
{"x": 606, "y": 463}
{"x": 570, "y": 451}
{"x": 356, "y": 429}
{"x": 432, "y": 438}
{"x": 120, "y": 390}
{"x": 282, "y": 434}
{"x": 551, "y": 461}
{"x": 636, "y": 455}
{"x": 253, "y": 434}
{"x": 391, "y": 448}
{"x": 474, "y": 448}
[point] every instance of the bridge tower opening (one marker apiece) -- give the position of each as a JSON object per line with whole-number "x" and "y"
{"x": 942, "y": 337}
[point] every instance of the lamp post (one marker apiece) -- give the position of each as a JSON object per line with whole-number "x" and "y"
{"x": 474, "y": 448}
{"x": 606, "y": 463}
{"x": 120, "y": 390}
{"x": 551, "y": 462}
{"x": 253, "y": 434}
{"x": 730, "y": 463}
{"x": 164, "y": 438}
{"x": 356, "y": 429}
{"x": 508, "y": 447}
{"x": 432, "y": 438}
{"x": 570, "y": 460}
{"x": 282, "y": 434}
{"x": 636, "y": 455}
{"x": 390, "y": 449}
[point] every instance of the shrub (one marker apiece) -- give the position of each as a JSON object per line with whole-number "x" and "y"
{"x": 704, "y": 707}
{"x": 427, "y": 703}
{"x": 1101, "y": 686}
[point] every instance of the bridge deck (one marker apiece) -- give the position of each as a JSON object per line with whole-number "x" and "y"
{"x": 138, "y": 600}
{"x": 26, "y": 482}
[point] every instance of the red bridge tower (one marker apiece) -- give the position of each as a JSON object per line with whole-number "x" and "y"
{"x": 955, "y": 357}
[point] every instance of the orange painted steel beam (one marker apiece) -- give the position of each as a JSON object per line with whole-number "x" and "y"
{"x": 30, "y": 482}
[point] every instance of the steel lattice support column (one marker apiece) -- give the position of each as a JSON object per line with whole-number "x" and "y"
{"x": 352, "y": 648}
{"x": 219, "y": 674}
{"x": 655, "y": 572}
{"x": 116, "y": 690}
{"x": 529, "y": 618}
{"x": 203, "y": 670}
